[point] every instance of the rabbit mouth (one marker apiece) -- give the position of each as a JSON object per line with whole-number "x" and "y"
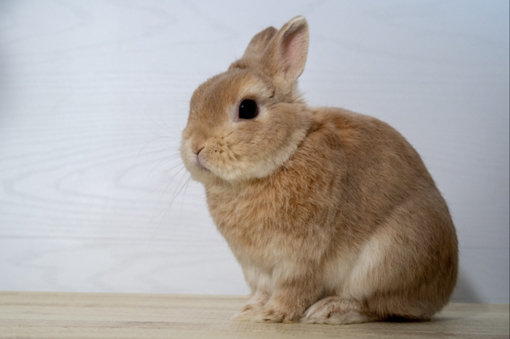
{"x": 200, "y": 164}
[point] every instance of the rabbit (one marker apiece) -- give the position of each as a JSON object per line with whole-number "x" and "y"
{"x": 331, "y": 214}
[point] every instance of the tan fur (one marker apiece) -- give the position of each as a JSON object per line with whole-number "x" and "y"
{"x": 327, "y": 211}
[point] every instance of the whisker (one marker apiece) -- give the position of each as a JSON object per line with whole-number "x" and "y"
{"x": 167, "y": 209}
{"x": 155, "y": 123}
{"x": 155, "y": 214}
{"x": 183, "y": 194}
{"x": 160, "y": 161}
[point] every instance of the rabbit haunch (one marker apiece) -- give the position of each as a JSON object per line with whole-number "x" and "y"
{"x": 331, "y": 214}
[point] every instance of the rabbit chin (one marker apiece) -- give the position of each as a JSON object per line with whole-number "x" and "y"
{"x": 233, "y": 173}
{"x": 213, "y": 170}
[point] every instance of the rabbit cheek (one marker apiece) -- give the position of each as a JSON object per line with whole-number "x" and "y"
{"x": 213, "y": 157}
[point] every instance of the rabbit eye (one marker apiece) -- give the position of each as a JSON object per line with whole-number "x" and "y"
{"x": 248, "y": 109}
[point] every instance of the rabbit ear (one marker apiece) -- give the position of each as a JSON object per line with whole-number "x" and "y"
{"x": 259, "y": 42}
{"x": 287, "y": 51}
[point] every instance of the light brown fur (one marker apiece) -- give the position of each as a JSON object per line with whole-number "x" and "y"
{"x": 331, "y": 214}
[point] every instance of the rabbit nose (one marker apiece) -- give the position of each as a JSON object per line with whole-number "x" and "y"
{"x": 198, "y": 142}
{"x": 200, "y": 150}
{"x": 197, "y": 146}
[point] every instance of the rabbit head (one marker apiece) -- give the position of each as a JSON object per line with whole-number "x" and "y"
{"x": 246, "y": 122}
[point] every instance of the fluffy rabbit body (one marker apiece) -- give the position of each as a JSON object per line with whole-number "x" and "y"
{"x": 331, "y": 214}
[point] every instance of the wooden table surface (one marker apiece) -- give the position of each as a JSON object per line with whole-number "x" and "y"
{"x": 86, "y": 315}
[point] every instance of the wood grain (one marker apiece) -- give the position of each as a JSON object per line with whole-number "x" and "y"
{"x": 85, "y": 315}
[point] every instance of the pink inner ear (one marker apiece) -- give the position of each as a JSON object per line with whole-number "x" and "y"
{"x": 294, "y": 53}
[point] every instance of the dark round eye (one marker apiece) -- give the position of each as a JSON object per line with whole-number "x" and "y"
{"x": 248, "y": 109}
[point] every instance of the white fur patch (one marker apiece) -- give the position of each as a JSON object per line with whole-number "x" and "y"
{"x": 355, "y": 276}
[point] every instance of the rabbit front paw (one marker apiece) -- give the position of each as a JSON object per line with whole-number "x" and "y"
{"x": 273, "y": 313}
{"x": 335, "y": 310}
{"x": 253, "y": 308}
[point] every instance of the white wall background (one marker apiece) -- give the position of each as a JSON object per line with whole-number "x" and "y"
{"x": 93, "y": 95}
